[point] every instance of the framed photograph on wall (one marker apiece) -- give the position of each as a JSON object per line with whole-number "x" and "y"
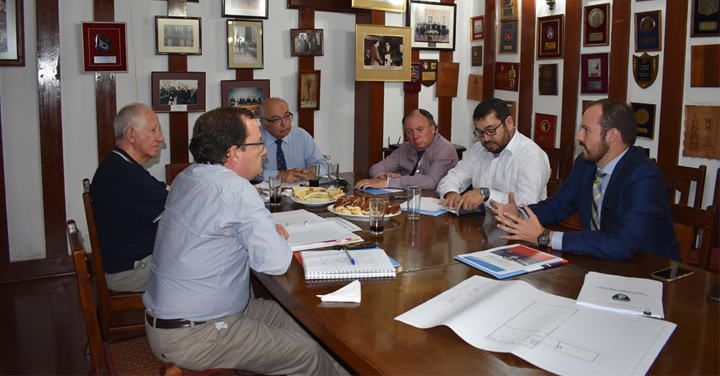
{"x": 705, "y": 19}
{"x": 12, "y": 46}
{"x": 380, "y": 55}
{"x": 478, "y": 30}
{"x": 550, "y": 37}
{"x": 245, "y": 8}
{"x": 246, "y": 94}
{"x": 245, "y": 44}
{"x": 307, "y": 42}
{"x": 433, "y": 25}
{"x": 508, "y": 37}
{"x": 178, "y": 91}
{"x": 388, "y": 6}
{"x": 594, "y": 78}
{"x": 647, "y": 31}
{"x": 596, "y": 23}
{"x": 178, "y": 35}
{"x": 308, "y": 90}
{"x": 104, "y": 47}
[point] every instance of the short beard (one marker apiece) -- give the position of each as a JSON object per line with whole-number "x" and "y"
{"x": 594, "y": 158}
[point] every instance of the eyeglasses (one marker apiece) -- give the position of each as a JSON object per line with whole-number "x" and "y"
{"x": 288, "y": 117}
{"x": 490, "y": 132}
{"x": 261, "y": 144}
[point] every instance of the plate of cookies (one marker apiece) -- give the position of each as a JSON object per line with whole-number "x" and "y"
{"x": 357, "y": 207}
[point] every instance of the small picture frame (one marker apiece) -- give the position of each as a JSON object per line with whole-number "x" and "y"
{"x": 705, "y": 21}
{"x": 245, "y": 44}
{"x": 478, "y": 31}
{"x": 550, "y": 37}
{"x": 594, "y": 78}
{"x": 433, "y": 25}
{"x": 508, "y": 9}
{"x": 380, "y": 54}
{"x": 596, "y": 24}
{"x": 645, "y": 117}
{"x": 545, "y": 126}
{"x": 12, "y": 47}
{"x": 384, "y": 5}
{"x": 178, "y": 91}
{"x": 508, "y": 37}
{"x": 307, "y": 42}
{"x": 245, "y": 8}
{"x": 648, "y": 32}
{"x": 245, "y": 94}
{"x": 476, "y": 56}
{"x": 308, "y": 90}
{"x": 104, "y": 47}
{"x": 178, "y": 35}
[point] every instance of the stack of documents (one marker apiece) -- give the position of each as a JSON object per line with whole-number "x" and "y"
{"x": 428, "y": 206}
{"x": 308, "y": 230}
{"x": 635, "y": 296}
{"x": 360, "y": 263}
{"x": 510, "y": 260}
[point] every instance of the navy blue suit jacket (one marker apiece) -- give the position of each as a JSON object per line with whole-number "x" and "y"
{"x": 635, "y": 214}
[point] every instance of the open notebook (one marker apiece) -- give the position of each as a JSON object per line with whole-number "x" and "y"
{"x": 369, "y": 263}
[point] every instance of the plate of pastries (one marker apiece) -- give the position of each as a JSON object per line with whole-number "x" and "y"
{"x": 316, "y": 195}
{"x": 358, "y": 207}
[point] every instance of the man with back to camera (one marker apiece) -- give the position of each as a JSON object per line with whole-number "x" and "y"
{"x": 215, "y": 228}
{"x": 503, "y": 161}
{"x": 127, "y": 201}
{"x": 298, "y": 151}
{"x": 421, "y": 161}
{"x": 618, "y": 192}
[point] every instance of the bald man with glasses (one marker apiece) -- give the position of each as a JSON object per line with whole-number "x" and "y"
{"x": 290, "y": 150}
{"x": 503, "y": 161}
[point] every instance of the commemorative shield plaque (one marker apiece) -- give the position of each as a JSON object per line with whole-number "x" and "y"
{"x": 645, "y": 69}
{"x": 428, "y": 72}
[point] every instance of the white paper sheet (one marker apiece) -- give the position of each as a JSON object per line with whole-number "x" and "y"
{"x": 551, "y": 332}
{"x": 635, "y": 296}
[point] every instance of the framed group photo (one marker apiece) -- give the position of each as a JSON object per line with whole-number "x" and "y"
{"x": 307, "y": 42}
{"x": 245, "y": 8}
{"x": 12, "y": 44}
{"x": 247, "y": 94}
{"x": 380, "y": 54}
{"x": 245, "y": 44}
{"x": 178, "y": 35}
{"x": 385, "y": 5}
{"x": 178, "y": 91}
{"x": 433, "y": 25}
{"x": 104, "y": 47}
{"x": 308, "y": 90}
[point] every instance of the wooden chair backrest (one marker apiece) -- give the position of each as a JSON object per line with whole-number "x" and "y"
{"x": 688, "y": 221}
{"x": 679, "y": 179}
{"x": 559, "y": 163}
{"x": 97, "y": 351}
{"x": 94, "y": 243}
{"x": 172, "y": 170}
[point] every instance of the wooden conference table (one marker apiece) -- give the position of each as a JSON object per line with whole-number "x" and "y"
{"x": 370, "y": 341}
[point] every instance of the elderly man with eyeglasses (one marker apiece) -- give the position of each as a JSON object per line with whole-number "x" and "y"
{"x": 290, "y": 150}
{"x": 503, "y": 161}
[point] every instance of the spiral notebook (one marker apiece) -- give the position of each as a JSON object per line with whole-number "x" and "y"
{"x": 369, "y": 263}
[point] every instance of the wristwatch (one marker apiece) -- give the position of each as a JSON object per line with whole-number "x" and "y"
{"x": 485, "y": 193}
{"x": 544, "y": 238}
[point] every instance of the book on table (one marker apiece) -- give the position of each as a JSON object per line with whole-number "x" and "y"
{"x": 308, "y": 230}
{"x": 510, "y": 260}
{"x": 335, "y": 264}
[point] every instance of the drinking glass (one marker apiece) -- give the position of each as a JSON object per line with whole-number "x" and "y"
{"x": 275, "y": 183}
{"x": 413, "y": 203}
{"x": 377, "y": 216}
{"x": 334, "y": 171}
{"x": 314, "y": 175}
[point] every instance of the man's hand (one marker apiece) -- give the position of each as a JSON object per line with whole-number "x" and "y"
{"x": 502, "y": 209}
{"x": 281, "y": 230}
{"x": 371, "y": 183}
{"x": 470, "y": 200}
{"x": 293, "y": 175}
{"x": 519, "y": 228}
{"x": 391, "y": 175}
{"x": 450, "y": 199}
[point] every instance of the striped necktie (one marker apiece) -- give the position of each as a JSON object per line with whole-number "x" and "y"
{"x": 597, "y": 193}
{"x": 281, "y": 165}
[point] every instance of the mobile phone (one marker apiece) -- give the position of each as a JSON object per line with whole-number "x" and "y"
{"x": 672, "y": 274}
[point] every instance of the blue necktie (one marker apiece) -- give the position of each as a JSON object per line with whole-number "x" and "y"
{"x": 414, "y": 170}
{"x": 281, "y": 165}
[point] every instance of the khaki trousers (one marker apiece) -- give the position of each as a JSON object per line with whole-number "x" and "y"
{"x": 131, "y": 280}
{"x": 263, "y": 339}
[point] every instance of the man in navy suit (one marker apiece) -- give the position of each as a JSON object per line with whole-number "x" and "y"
{"x": 618, "y": 192}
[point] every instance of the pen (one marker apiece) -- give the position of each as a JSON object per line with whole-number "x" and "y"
{"x": 552, "y": 264}
{"x": 352, "y": 260}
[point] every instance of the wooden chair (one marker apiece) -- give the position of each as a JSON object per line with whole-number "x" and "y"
{"x": 688, "y": 222}
{"x": 559, "y": 164}
{"x": 127, "y": 357}
{"x": 108, "y": 301}
{"x": 172, "y": 170}
{"x": 679, "y": 179}
{"x": 715, "y": 244}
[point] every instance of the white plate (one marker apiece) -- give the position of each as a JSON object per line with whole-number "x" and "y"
{"x": 312, "y": 203}
{"x": 331, "y": 209}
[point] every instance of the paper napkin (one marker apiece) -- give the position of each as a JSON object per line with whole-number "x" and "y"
{"x": 349, "y": 293}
